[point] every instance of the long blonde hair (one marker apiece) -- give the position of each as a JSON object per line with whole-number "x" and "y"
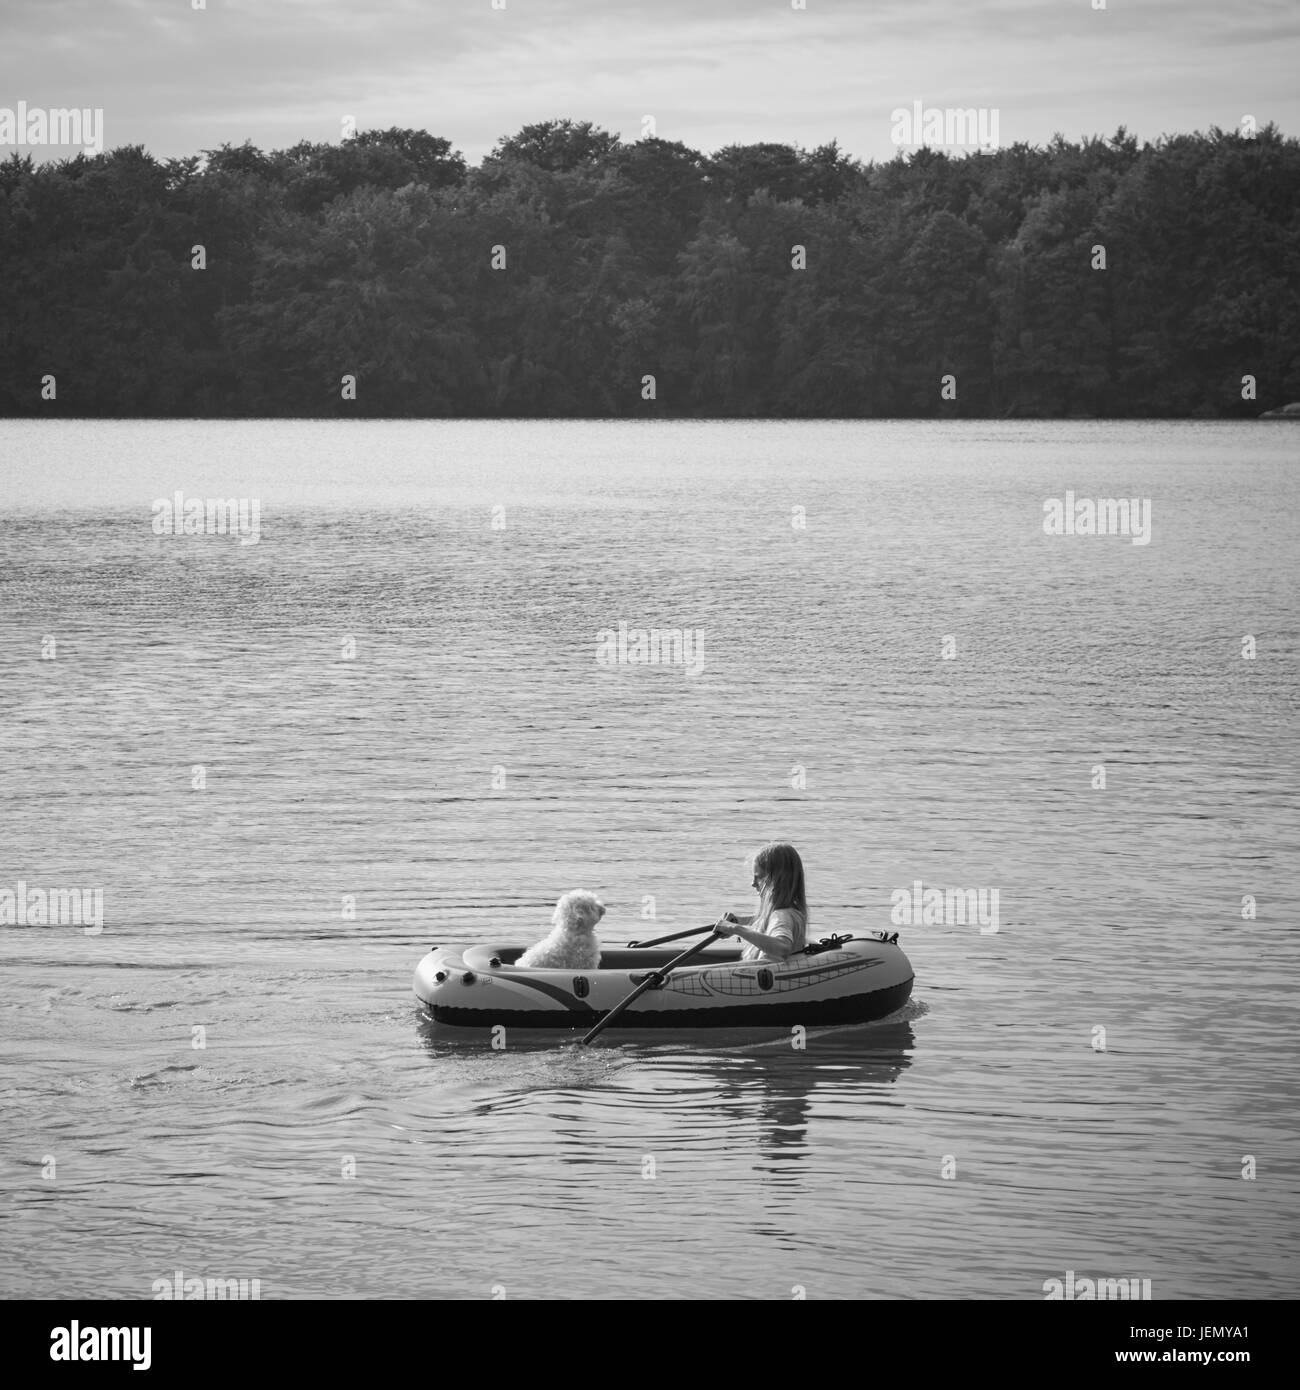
{"x": 781, "y": 870}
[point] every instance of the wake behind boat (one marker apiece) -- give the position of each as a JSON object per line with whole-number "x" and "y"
{"x": 839, "y": 980}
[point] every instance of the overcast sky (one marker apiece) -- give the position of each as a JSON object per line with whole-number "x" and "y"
{"x": 711, "y": 72}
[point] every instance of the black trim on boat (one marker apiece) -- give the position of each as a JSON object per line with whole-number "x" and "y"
{"x": 860, "y": 1008}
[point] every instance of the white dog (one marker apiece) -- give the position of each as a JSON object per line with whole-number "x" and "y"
{"x": 573, "y": 943}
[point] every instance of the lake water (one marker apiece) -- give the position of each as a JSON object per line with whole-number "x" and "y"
{"x": 1095, "y": 1077}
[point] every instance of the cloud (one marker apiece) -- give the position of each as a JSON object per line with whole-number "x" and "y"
{"x": 712, "y": 72}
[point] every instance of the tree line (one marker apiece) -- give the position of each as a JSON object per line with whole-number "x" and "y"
{"x": 571, "y": 274}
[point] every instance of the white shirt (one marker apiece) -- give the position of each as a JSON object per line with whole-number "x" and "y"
{"x": 785, "y": 922}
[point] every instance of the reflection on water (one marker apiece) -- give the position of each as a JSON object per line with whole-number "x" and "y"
{"x": 756, "y": 1083}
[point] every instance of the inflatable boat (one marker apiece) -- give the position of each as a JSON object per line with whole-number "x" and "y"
{"x": 839, "y": 980}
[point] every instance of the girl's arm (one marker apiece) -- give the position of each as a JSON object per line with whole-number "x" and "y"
{"x": 778, "y": 946}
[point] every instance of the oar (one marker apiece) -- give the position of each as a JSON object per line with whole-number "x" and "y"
{"x": 659, "y": 940}
{"x": 654, "y": 977}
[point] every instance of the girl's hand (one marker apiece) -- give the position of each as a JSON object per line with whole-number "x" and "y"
{"x": 725, "y": 925}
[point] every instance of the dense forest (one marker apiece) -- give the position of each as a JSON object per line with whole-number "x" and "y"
{"x": 573, "y": 274}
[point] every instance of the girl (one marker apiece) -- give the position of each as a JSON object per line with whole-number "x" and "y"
{"x": 780, "y": 926}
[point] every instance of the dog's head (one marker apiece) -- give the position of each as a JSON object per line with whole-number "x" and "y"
{"x": 579, "y": 911}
